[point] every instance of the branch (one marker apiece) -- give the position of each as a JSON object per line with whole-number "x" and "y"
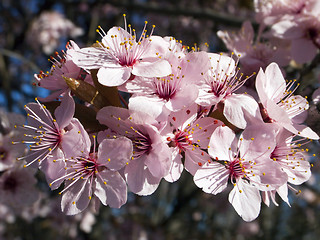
{"x": 171, "y": 10}
{"x": 9, "y": 53}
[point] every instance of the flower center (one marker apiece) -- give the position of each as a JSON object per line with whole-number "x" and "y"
{"x": 182, "y": 140}
{"x": 10, "y": 184}
{"x": 236, "y": 169}
{"x": 166, "y": 87}
{"x": 141, "y": 145}
{"x": 87, "y": 166}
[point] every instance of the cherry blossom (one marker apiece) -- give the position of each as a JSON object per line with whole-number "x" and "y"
{"x": 151, "y": 157}
{"x": 246, "y": 162}
{"x": 49, "y": 28}
{"x": 218, "y": 86}
{"x": 93, "y": 173}
{"x": 254, "y": 54}
{"x": 293, "y": 160}
{"x": 62, "y": 66}
{"x": 296, "y": 21}
{"x": 188, "y": 135}
{"x": 17, "y": 187}
{"x": 120, "y": 56}
{"x": 278, "y": 104}
{"x": 160, "y": 96}
{"x": 45, "y": 134}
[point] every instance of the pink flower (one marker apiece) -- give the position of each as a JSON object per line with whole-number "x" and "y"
{"x": 17, "y": 187}
{"x": 292, "y": 160}
{"x": 48, "y": 29}
{"x": 61, "y": 67}
{"x": 121, "y": 56}
{"x": 253, "y": 54}
{"x": 296, "y": 21}
{"x": 91, "y": 173}
{"x": 219, "y": 85}
{"x": 45, "y": 134}
{"x": 270, "y": 11}
{"x": 303, "y": 32}
{"x": 160, "y": 96}
{"x": 188, "y": 134}
{"x": 279, "y": 105}
{"x": 246, "y": 163}
{"x": 151, "y": 158}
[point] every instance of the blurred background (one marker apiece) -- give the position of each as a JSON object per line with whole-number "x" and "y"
{"x": 33, "y": 30}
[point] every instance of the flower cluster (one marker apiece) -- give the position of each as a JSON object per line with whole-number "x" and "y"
{"x": 186, "y": 111}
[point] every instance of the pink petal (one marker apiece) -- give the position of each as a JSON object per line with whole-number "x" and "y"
{"x": 193, "y": 64}
{"x": 115, "y": 153}
{"x": 268, "y": 174}
{"x": 298, "y": 108}
{"x": 303, "y": 50}
{"x": 111, "y": 189}
{"x": 212, "y": 177}
{"x": 114, "y": 37}
{"x": 277, "y": 113}
{"x": 222, "y": 62}
{"x": 54, "y": 168}
{"x": 92, "y": 58}
{"x": 301, "y": 130}
{"x": 64, "y": 113}
{"x": 140, "y": 180}
{"x": 53, "y": 96}
{"x": 288, "y": 29}
{"x": 109, "y": 111}
{"x": 274, "y": 85}
{"x": 258, "y": 140}
{"x": 185, "y": 97}
{"x": 156, "y": 47}
{"x": 158, "y": 160}
{"x": 247, "y": 203}
{"x": 153, "y": 106}
{"x": 301, "y": 172}
{"x": 76, "y": 198}
{"x": 283, "y": 193}
{"x": 176, "y": 167}
{"x": 222, "y": 138}
{"x": 75, "y": 141}
{"x": 113, "y": 76}
{"x": 241, "y": 110}
{"x": 42, "y": 114}
{"x": 152, "y": 67}
{"x": 194, "y": 159}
